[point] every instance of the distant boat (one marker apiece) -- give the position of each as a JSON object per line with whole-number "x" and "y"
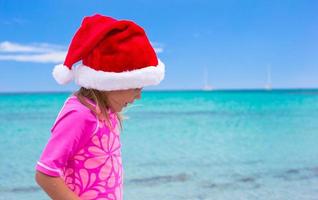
{"x": 268, "y": 85}
{"x": 206, "y": 86}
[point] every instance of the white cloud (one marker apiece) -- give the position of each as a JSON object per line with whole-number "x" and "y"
{"x": 13, "y": 47}
{"x": 158, "y": 47}
{"x": 41, "y": 52}
{"x": 37, "y": 52}
{"x": 53, "y": 57}
{"x": 31, "y": 48}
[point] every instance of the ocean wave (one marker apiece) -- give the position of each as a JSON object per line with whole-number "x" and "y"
{"x": 20, "y": 189}
{"x": 182, "y": 177}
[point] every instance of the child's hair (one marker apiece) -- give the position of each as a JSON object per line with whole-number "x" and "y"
{"x": 101, "y": 102}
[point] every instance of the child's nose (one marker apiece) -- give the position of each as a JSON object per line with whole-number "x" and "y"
{"x": 138, "y": 96}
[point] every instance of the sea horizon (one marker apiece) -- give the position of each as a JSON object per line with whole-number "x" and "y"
{"x": 177, "y": 90}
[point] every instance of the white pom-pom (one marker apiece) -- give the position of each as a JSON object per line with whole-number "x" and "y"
{"x": 62, "y": 74}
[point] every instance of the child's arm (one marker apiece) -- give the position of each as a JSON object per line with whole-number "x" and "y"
{"x": 55, "y": 187}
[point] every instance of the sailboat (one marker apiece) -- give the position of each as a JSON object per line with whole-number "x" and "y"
{"x": 206, "y": 86}
{"x": 268, "y": 85}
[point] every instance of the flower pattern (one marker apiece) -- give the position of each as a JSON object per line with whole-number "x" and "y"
{"x": 95, "y": 172}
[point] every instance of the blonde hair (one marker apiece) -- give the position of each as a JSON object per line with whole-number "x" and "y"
{"x": 101, "y": 102}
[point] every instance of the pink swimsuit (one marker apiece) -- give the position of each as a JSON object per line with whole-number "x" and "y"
{"x": 85, "y": 153}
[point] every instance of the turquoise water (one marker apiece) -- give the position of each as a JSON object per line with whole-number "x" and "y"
{"x": 187, "y": 145}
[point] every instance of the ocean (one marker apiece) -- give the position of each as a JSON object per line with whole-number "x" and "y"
{"x": 183, "y": 145}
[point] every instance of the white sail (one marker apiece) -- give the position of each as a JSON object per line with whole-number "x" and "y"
{"x": 268, "y": 85}
{"x": 206, "y": 86}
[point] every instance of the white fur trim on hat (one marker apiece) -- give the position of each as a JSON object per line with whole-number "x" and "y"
{"x": 62, "y": 74}
{"x": 107, "y": 81}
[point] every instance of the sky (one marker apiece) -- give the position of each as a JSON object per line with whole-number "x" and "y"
{"x": 233, "y": 43}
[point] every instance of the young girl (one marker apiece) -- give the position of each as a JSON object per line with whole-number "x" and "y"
{"x": 82, "y": 159}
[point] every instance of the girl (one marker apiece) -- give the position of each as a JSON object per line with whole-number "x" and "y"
{"x": 82, "y": 159}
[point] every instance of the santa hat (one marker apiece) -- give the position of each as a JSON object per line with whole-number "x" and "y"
{"x": 115, "y": 55}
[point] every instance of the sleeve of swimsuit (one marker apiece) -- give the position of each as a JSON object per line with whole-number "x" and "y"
{"x": 68, "y": 132}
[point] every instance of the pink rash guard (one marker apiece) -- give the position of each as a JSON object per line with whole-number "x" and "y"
{"x": 85, "y": 153}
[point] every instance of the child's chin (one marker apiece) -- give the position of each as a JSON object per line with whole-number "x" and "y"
{"x": 115, "y": 109}
{"x": 119, "y": 109}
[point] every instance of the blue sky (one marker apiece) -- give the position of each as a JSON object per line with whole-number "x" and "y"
{"x": 236, "y": 41}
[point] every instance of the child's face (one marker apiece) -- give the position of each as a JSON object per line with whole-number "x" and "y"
{"x": 120, "y": 98}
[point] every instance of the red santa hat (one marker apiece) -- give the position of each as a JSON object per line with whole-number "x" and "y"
{"x": 115, "y": 55}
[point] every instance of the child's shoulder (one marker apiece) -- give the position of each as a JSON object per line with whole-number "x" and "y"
{"x": 75, "y": 113}
{"x": 73, "y": 107}
{"x": 73, "y": 103}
